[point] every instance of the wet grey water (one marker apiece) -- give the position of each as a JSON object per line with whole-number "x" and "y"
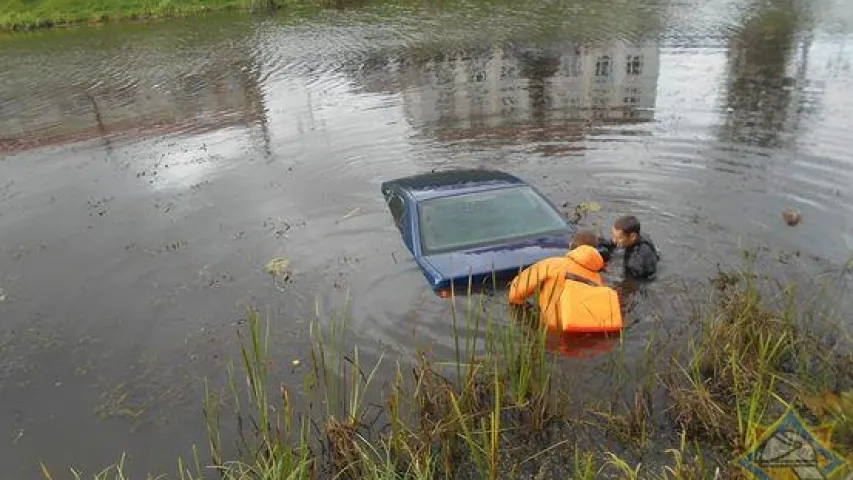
{"x": 148, "y": 173}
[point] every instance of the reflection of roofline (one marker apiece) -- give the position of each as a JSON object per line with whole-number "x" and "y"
{"x": 573, "y": 128}
{"x": 440, "y": 53}
{"x": 127, "y": 130}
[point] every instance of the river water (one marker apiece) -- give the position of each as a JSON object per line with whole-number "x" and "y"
{"x": 149, "y": 171}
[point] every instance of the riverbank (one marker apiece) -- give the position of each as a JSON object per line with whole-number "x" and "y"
{"x": 694, "y": 408}
{"x": 20, "y": 15}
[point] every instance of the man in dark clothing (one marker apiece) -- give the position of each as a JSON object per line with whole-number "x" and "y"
{"x": 641, "y": 256}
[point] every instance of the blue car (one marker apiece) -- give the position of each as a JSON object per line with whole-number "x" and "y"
{"x": 474, "y": 227}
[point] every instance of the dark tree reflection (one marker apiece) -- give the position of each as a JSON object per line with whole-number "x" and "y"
{"x": 764, "y": 76}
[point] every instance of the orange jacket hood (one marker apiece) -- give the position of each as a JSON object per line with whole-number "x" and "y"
{"x": 587, "y": 257}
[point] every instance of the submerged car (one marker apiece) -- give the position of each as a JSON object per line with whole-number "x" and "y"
{"x": 474, "y": 227}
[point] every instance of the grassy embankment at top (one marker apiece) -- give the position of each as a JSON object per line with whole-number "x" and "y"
{"x": 501, "y": 409}
{"x": 18, "y": 15}
{"x": 32, "y": 14}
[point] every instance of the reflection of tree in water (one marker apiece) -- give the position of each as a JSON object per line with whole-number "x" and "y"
{"x": 760, "y": 91}
{"x": 217, "y": 90}
{"x": 252, "y": 88}
{"x": 538, "y": 67}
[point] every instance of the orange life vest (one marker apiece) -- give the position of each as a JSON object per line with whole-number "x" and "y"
{"x": 572, "y": 296}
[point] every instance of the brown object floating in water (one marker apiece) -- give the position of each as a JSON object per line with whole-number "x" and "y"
{"x": 791, "y": 216}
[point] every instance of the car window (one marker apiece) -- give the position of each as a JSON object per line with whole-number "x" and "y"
{"x": 469, "y": 220}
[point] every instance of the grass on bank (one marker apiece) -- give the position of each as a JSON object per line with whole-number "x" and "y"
{"x": 17, "y": 15}
{"x": 499, "y": 411}
{"x": 32, "y": 14}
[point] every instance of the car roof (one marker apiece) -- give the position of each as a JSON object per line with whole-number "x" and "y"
{"x": 451, "y": 182}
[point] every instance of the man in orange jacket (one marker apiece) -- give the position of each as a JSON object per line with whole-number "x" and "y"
{"x": 572, "y": 295}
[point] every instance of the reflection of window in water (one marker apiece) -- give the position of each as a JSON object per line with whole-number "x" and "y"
{"x": 599, "y": 107}
{"x": 508, "y": 71}
{"x": 508, "y": 105}
{"x": 634, "y": 65}
{"x": 444, "y": 76}
{"x": 478, "y": 74}
{"x": 602, "y": 66}
{"x": 571, "y": 65}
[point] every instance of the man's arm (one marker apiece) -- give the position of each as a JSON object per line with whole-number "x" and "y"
{"x": 605, "y": 248}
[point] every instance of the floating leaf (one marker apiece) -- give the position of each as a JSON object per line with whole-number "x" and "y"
{"x": 581, "y": 210}
{"x": 277, "y": 266}
{"x": 348, "y": 215}
{"x": 588, "y": 207}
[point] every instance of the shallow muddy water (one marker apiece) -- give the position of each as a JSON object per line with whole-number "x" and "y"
{"x": 150, "y": 171}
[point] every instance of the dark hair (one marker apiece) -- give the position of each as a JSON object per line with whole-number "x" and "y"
{"x": 628, "y": 224}
{"x": 584, "y": 237}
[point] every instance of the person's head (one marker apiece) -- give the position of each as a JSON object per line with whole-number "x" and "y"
{"x": 626, "y": 231}
{"x": 584, "y": 237}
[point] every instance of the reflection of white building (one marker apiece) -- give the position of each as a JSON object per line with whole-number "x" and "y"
{"x": 504, "y": 86}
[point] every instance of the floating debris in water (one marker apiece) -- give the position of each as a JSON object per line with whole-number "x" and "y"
{"x": 589, "y": 207}
{"x": 295, "y": 362}
{"x": 791, "y": 216}
{"x": 581, "y": 210}
{"x": 277, "y": 267}
{"x": 349, "y": 214}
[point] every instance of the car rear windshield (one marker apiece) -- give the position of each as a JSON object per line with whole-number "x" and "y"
{"x": 482, "y": 218}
